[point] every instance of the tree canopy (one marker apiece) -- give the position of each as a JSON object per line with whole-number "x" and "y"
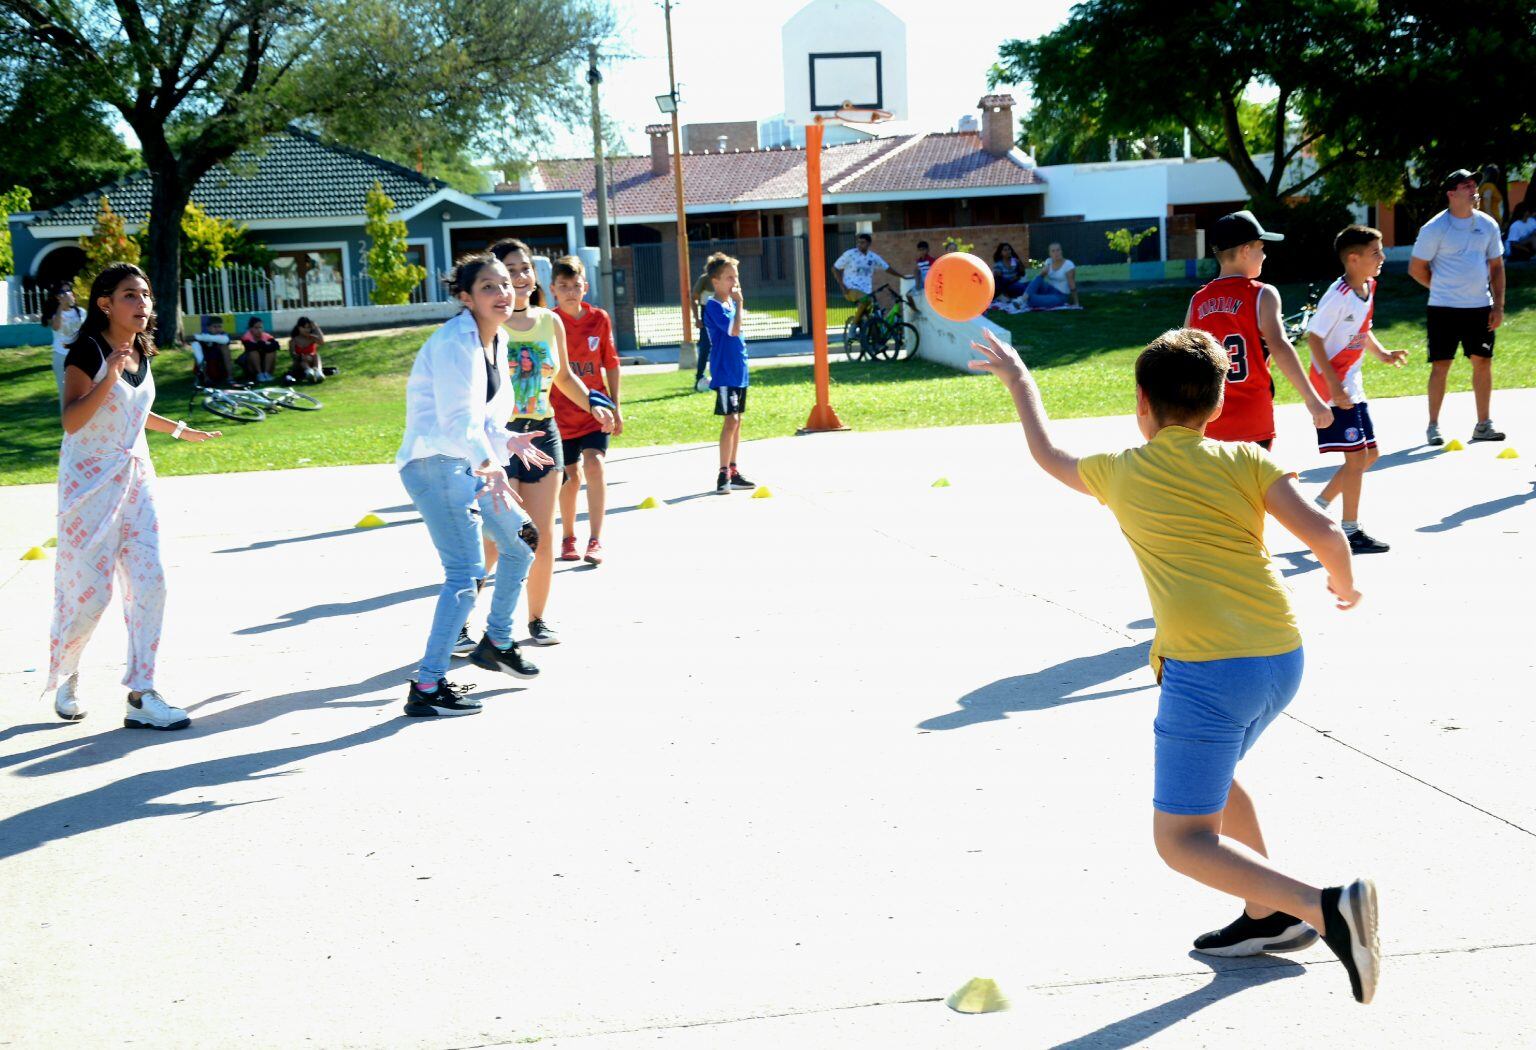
{"x": 1363, "y": 91}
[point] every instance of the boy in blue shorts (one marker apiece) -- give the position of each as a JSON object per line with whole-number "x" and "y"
{"x": 1227, "y": 652}
{"x": 1339, "y": 336}
{"x": 728, "y": 374}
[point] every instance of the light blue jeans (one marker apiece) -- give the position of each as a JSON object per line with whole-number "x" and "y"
{"x": 1043, "y": 296}
{"x": 443, "y": 489}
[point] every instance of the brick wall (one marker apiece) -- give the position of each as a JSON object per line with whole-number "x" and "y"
{"x": 623, "y": 311}
{"x": 900, "y": 246}
{"x": 1181, "y": 236}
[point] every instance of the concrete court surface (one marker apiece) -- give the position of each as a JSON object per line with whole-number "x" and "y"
{"x": 801, "y": 767}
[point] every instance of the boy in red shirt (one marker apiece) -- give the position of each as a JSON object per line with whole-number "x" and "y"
{"x": 1243, "y": 314}
{"x": 595, "y": 360}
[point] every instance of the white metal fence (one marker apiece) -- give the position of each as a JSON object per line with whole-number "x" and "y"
{"x": 26, "y": 305}
{"x": 242, "y": 289}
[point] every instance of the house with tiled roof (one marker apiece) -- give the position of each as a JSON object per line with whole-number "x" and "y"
{"x": 920, "y": 180}
{"x": 304, "y": 198}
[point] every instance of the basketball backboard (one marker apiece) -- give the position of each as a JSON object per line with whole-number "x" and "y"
{"x": 842, "y": 52}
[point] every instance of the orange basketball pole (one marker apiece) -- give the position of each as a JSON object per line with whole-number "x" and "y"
{"x": 823, "y": 418}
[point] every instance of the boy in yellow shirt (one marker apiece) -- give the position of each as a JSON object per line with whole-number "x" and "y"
{"x": 1227, "y": 652}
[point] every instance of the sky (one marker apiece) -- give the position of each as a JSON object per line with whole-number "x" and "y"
{"x": 729, "y": 60}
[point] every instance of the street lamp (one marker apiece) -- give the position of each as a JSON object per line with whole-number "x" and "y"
{"x": 667, "y": 103}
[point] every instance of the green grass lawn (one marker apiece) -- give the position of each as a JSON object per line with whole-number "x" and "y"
{"x": 1083, "y": 361}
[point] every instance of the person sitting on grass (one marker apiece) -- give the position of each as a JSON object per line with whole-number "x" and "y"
{"x": 1008, "y": 271}
{"x": 260, "y": 357}
{"x": 1227, "y": 654}
{"x": 1055, "y": 285}
{"x": 304, "y": 344}
{"x": 213, "y": 343}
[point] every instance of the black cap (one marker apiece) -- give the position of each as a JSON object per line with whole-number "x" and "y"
{"x": 1238, "y": 228}
{"x": 1456, "y": 178}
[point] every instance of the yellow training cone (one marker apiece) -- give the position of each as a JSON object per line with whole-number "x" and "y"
{"x": 979, "y": 995}
{"x": 762, "y": 493}
{"x": 1454, "y": 446}
{"x": 942, "y": 483}
{"x": 1508, "y": 453}
{"x": 369, "y": 521}
{"x": 53, "y": 541}
{"x": 34, "y": 554}
{"x": 649, "y": 503}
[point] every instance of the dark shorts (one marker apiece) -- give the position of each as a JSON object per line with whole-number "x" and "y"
{"x": 1351, "y": 430}
{"x": 1450, "y": 327}
{"x": 572, "y": 448}
{"x": 730, "y": 400}
{"x": 549, "y": 444}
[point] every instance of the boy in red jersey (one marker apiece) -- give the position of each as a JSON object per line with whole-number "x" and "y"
{"x": 1244, "y": 316}
{"x": 1339, "y": 336}
{"x": 595, "y": 360}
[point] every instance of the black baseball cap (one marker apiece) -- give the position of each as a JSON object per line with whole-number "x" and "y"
{"x": 1456, "y": 178}
{"x": 1239, "y": 228}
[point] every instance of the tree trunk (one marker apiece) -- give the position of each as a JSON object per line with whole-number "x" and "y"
{"x": 169, "y": 195}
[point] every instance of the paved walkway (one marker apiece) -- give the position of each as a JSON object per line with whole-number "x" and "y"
{"x": 802, "y": 766}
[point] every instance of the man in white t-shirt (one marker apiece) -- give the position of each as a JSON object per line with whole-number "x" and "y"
{"x": 1459, "y": 257}
{"x": 855, "y": 272}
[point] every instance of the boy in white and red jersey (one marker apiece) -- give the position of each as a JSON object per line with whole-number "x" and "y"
{"x": 1339, "y": 336}
{"x": 1243, "y": 314}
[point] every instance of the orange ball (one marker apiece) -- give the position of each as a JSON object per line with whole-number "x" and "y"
{"x": 959, "y": 286}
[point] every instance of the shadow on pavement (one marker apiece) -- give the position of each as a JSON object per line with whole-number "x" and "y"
{"x": 262, "y": 545}
{"x": 331, "y": 609}
{"x": 1400, "y": 458}
{"x": 113, "y": 742}
{"x": 1479, "y": 510}
{"x": 1047, "y": 688}
{"x": 1230, "y": 977}
{"x": 1301, "y": 561}
{"x": 133, "y": 798}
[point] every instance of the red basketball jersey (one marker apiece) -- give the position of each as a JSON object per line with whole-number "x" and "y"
{"x": 1228, "y": 308}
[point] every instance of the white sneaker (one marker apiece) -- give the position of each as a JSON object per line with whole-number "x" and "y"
{"x": 701, "y": 385}
{"x": 150, "y": 711}
{"x": 66, "y": 702}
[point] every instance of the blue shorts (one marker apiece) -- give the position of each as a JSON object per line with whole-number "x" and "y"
{"x": 1350, "y": 431}
{"x": 1208, "y": 716}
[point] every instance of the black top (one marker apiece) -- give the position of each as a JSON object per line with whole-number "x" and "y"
{"x": 89, "y": 355}
{"x": 492, "y": 376}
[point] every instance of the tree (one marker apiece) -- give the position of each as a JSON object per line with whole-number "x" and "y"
{"x": 210, "y": 243}
{"x": 54, "y": 138}
{"x": 13, "y": 200}
{"x": 108, "y": 242}
{"x": 393, "y": 274}
{"x": 199, "y": 80}
{"x": 1125, "y": 242}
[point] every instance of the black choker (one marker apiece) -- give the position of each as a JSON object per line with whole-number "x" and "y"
{"x": 517, "y": 311}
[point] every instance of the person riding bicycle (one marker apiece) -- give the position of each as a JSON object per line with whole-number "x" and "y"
{"x": 855, "y": 270}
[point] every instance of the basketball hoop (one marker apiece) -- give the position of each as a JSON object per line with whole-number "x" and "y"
{"x": 848, "y": 113}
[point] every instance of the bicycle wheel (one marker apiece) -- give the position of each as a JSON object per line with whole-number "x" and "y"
{"x": 879, "y": 341}
{"x": 295, "y": 399}
{"x": 904, "y": 342}
{"x": 221, "y": 404}
{"x": 853, "y": 340}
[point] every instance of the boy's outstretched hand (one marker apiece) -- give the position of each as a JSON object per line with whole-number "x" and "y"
{"x": 998, "y": 358}
{"x": 1344, "y": 597}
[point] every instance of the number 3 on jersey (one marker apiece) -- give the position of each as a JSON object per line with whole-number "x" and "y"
{"x": 1237, "y": 350}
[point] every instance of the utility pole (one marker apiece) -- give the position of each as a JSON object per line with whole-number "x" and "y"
{"x": 687, "y": 357}
{"x": 604, "y": 244}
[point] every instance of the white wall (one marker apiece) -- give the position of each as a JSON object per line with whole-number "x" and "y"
{"x": 948, "y": 342}
{"x": 1105, "y": 191}
{"x": 823, "y": 26}
{"x": 1206, "y": 181}
{"x": 365, "y": 316}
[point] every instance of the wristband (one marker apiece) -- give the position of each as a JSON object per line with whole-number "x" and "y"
{"x": 598, "y": 399}
{"x": 181, "y": 425}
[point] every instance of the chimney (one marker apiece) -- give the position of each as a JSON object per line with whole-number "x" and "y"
{"x": 661, "y": 150}
{"x": 996, "y": 124}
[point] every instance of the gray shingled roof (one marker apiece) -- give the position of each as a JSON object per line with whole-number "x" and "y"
{"x": 295, "y": 175}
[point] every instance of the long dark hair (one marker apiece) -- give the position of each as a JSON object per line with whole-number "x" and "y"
{"x": 103, "y": 287}
{"x": 51, "y": 304}
{"x": 997, "y": 256}
{"x": 303, "y": 327}
{"x": 505, "y": 247}
{"x": 465, "y": 269}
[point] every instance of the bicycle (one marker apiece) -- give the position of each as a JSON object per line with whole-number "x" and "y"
{"x": 244, "y": 404}
{"x": 1295, "y": 324}
{"x": 881, "y": 333}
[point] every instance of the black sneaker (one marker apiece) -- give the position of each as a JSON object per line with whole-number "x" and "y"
{"x": 541, "y": 633}
{"x": 1349, "y": 930}
{"x": 722, "y": 483}
{"x": 1247, "y": 936}
{"x": 1361, "y": 543}
{"x": 444, "y": 701}
{"x": 1484, "y": 432}
{"x": 508, "y": 661}
{"x": 739, "y": 481}
{"x": 465, "y": 644}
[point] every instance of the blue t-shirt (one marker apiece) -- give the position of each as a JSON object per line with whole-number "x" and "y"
{"x": 727, "y": 352}
{"x": 1458, "y": 252}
